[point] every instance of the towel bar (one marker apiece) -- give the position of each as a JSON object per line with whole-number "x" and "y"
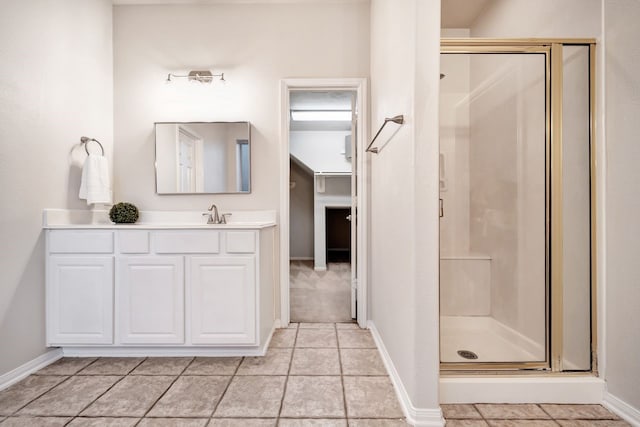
{"x": 85, "y": 140}
{"x": 396, "y": 119}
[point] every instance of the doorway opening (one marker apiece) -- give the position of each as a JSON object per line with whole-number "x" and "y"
{"x": 338, "y": 234}
{"x": 321, "y": 194}
{"x": 341, "y": 106}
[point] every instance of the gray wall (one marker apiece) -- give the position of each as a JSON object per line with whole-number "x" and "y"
{"x": 622, "y": 61}
{"x": 301, "y": 213}
{"x": 55, "y": 86}
{"x": 405, "y": 63}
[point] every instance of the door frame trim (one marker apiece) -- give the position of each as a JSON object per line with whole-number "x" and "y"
{"x": 358, "y": 85}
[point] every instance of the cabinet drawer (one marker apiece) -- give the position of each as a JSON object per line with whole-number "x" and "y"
{"x": 186, "y": 242}
{"x": 81, "y": 241}
{"x": 241, "y": 242}
{"x": 133, "y": 241}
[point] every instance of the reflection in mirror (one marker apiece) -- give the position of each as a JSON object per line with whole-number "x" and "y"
{"x": 203, "y": 157}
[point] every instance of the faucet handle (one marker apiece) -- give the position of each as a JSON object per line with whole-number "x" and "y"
{"x": 223, "y": 220}
{"x": 209, "y": 217}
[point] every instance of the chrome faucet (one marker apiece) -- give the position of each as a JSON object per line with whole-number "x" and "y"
{"x": 214, "y": 217}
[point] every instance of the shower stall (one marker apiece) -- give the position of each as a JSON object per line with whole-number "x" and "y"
{"x": 517, "y": 266}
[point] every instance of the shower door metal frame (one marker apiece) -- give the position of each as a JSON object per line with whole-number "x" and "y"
{"x": 552, "y": 49}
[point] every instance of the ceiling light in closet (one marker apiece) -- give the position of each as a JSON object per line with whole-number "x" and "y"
{"x": 321, "y": 115}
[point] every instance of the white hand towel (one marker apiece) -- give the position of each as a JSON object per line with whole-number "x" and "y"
{"x": 95, "y": 185}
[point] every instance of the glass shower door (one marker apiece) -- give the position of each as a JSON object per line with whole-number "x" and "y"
{"x": 494, "y": 186}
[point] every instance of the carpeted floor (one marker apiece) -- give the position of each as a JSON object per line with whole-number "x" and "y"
{"x": 320, "y": 296}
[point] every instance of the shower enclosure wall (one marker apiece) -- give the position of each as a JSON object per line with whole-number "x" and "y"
{"x": 515, "y": 188}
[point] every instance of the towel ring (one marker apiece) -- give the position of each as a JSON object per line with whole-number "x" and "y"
{"x": 85, "y": 140}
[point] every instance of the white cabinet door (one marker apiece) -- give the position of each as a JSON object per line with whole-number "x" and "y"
{"x": 223, "y": 300}
{"x": 80, "y": 300}
{"x": 150, "y": 293}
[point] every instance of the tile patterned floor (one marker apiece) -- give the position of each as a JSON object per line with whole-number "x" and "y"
{"x": 314, "y": 374}
{"x": 530, "y": 415}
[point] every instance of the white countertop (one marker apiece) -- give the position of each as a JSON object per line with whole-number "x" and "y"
{"x": 99, "y": 219}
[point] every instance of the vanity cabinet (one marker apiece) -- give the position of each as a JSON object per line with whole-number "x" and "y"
{"x": 166, "y": 290}
{"x": 80, "y": 287}
{"x": 150, "y": 306}
{"x": 223, "y": 300}
{"x": 80, "y": 299}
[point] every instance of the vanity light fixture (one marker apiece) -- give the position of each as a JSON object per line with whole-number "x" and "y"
{"x": 321, "y": 115}
{"x": 201, "y": 76}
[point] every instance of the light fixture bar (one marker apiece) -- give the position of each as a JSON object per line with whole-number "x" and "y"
{"x": 321, "y": 115}
{"x": 201, "y": 76}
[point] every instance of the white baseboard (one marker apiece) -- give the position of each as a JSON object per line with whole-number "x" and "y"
{"x": 622, "y": 409}
{"x": 265, "y": 346}
{"x": 30, "y": 367}
{"x": 171, "y": 351}
{"x": 431, "y": 417}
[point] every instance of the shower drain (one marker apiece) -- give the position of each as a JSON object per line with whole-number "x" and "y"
{"x": 467, "y": 354}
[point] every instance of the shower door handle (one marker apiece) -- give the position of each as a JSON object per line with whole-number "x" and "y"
{"x": 441, "y": 208}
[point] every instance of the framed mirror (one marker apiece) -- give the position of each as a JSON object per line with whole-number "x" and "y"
{"x": 203, "y": 158}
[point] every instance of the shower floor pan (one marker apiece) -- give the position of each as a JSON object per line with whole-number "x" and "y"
{"x": 488, "y": 338}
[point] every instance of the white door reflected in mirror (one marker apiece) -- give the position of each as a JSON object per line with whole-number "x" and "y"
{"x": 211, "y": 158}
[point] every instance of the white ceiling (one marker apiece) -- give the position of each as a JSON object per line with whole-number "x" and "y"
{"x": 321, "y": 100}
{"x": 455, "y": 13}
{"x": 145, "y": 2}
{"x": 461, "y": 13}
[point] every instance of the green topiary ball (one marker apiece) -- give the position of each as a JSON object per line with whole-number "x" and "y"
{"x": 124, "y": 213}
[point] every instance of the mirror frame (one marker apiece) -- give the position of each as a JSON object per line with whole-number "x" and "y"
{"x": 155, "y": 152}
